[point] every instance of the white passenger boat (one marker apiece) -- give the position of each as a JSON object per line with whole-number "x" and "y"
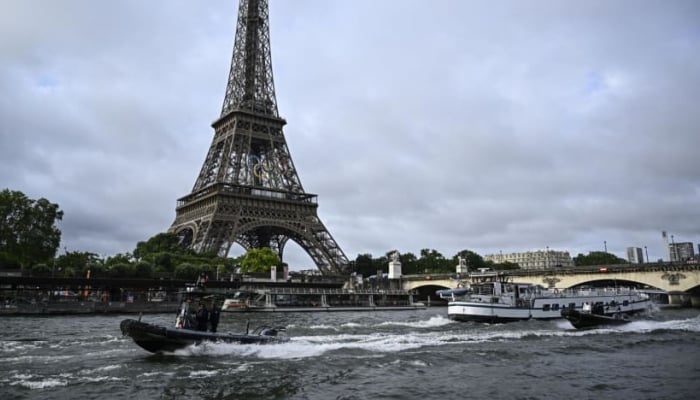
{"x": 494, "y": 299}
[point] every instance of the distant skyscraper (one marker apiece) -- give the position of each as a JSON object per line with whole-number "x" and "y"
{"x": 635, "y": 255}
{"x": 664, "y": 236}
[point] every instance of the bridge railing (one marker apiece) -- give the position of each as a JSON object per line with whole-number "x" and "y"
{"x": 607, "y": 268}
{"x": 593, "y": 269}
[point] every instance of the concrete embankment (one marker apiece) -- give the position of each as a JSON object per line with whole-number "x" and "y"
{"x": 88, "y": 307}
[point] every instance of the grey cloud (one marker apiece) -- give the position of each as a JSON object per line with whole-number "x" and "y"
{"x": 509, "y": 126}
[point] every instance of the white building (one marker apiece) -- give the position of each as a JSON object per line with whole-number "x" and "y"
{"x": 635, "y": 255}
{"x": 539, "y": 259}
{"x": 681, "y": 251}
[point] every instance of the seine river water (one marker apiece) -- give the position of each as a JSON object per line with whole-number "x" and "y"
{"x": 366, "y": 355}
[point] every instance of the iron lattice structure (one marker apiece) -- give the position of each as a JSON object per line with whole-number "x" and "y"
{"x": 248, "y": 191}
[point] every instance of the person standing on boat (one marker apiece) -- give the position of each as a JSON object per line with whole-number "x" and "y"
{"x": 202, "y": 317}
{"x": 185, "y": 316}
{"x": 214, "y": 317}
{"x": 586, "y": 308}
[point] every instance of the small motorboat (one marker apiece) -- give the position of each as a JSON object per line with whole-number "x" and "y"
{"x": 587, "y": 318}
{"x": 156, "y": 338}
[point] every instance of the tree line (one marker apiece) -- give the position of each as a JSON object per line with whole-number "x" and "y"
{"x": 30, "y": 238}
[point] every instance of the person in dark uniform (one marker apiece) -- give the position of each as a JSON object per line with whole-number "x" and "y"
{"x": 214, "y": 317}
{"x": 202, "y": 317}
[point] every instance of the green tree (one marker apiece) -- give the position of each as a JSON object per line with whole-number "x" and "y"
{"x": 79, "y": 262}
{"x": 409, "y": 263}
{"x": 28, "y": 231}
{"x": 474, "y": 261}
{"x": 122, "y": 270}
{"x": 363, "y": 265}
{"x": 97, "y": 268}
{"x": 119, "y": 258}
{"x": 259, "y": 260}
{"x": 432, "y": 261}
{"x": 163, "y": 262}
{"x": 381, "y": 264}
{"x": 186, "y": 271}
{"x": 143, "y": 269}
{"x": 41, "y": 269}
{"x": 597, "y": 258}
{"x": 227, "y": 265}
{"x": 160, "y": 243}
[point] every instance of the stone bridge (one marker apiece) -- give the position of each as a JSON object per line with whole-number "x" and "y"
{"x": 681, "y": 282}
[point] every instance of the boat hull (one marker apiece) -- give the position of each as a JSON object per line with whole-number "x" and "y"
{"x": 156, "y": 338}
{"x": 582, "y": 320}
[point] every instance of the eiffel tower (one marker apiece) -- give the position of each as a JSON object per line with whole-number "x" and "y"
{"x": 248, "y": 191}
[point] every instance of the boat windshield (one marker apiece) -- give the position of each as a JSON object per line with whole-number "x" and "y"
{"x": 482, "y": 289}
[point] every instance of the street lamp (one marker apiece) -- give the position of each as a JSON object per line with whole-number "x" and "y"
{"x": 674, "y": 255}
{"x": 646, "y": 253}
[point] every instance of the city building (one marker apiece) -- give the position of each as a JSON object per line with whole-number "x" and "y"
{"x": 683, "y": 251}
{"x": 635, "y": 255}
{"x": 539, "y": 259}
{"x": 667, "y": 246}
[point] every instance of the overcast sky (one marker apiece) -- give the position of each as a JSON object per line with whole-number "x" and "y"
{"x": 444, "y": 124}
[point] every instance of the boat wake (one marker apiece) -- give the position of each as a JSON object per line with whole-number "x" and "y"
{"x": 419, "y": 335}
{"x": 647, "y": 326}
{"x": 434, "y": 321}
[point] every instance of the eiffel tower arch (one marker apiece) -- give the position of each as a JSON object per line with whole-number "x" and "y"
{"x": 248, "y": 190}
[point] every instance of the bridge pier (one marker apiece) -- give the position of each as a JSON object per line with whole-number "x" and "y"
{"x": 694, "y": 301}
{"x": 682, "y": 299}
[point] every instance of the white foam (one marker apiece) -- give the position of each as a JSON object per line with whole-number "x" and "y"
{"x": 318, "y": 327}
{"x": 98, "y": 370}
{"x": 201, "y": 373}
{"x": 42, "y": 359}
{"x": 93, "y": 379}
{"x": 690, "y": 325}
{"x": 150, "y": 374}
{"x": 43, "y": 384}
{"x": 108, "y": 368}
{"x": 434, "y": 321}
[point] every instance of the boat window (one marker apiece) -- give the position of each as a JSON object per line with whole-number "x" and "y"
{"x": 625, "y": 303}
{"x": 572, "y": 305}
{"x": 545, "y": 307}
{"x": 555, "y": 307}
